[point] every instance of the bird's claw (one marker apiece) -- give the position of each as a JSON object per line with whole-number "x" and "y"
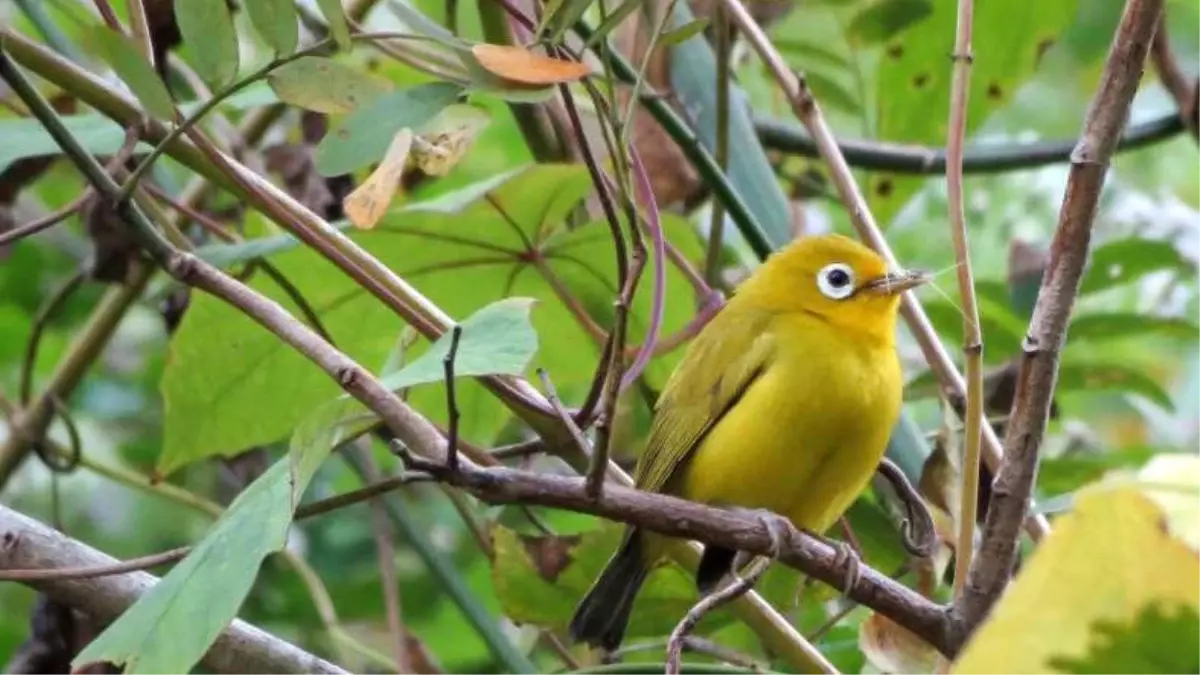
{"x": 777, "y": 530}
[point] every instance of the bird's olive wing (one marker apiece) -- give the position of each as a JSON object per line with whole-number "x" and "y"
{"x": 721, "y": 363}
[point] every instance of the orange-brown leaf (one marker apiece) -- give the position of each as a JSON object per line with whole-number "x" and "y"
{"x": 521, "y": 65}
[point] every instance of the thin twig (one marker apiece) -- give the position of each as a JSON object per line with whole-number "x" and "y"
{"x": 73, "y": 573}
{"x": 385, "y": 548}
{"x": 1047, "y": 331}
{"x": 451, "y": 401}
{"x": 45, "y": 222}
{"x": 1181, "y": 87}
{"x": 710, "y": 602}
{"x": 809, "y": 113}
{"x": 980, "y": 159}
{"x": 371, "y": 491}
{"x": 523, "y": 449}
{"x": 557, "y": 406}
{"x": 44, "y": 313}
{"x": 972, "y": 335}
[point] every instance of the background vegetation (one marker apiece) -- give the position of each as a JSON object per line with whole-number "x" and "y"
{"x": 168, "y": 402}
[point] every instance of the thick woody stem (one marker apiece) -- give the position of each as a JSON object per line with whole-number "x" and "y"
{"x": 1048, "y": 327}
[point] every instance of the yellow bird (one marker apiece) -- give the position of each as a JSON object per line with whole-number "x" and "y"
{"x": 785, "y": 402}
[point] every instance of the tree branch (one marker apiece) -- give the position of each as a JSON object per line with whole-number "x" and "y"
{"x": 676, "y": 517}
{"x": 1048, "y": 327}
{"x": 981, "y": 159}
{"x": 241, "y": 648}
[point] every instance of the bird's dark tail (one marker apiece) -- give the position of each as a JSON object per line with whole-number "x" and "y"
{"x": 602, "y": 616}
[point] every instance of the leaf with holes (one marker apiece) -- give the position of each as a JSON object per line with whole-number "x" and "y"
{"x": 885, "y": 19}
{"x": 914, "y": 78}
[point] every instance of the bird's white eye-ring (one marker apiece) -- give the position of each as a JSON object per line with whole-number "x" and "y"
{"x": 836, "y": 281}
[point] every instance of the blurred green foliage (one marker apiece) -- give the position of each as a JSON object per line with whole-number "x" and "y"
{"x": 172, "y": 403}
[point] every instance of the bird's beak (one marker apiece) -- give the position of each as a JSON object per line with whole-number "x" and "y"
{"x": 894, "y": 283}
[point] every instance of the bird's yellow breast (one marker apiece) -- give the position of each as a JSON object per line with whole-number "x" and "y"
{"x": 806, "y": 436}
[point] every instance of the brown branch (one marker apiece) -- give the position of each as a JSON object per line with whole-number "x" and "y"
{"x": 1048, "y": 327}
{"x": 676, "y": 517}
{"x": 95, "y": 572}
{"x": 1182, "y": 88}
{"x": 241, "y": 648}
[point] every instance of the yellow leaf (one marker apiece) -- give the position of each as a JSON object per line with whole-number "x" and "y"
{"x": 1173, "y": 482}
{"x": 369, "y": 201}
{"x": 1106, "y": 560}
{"x": 521, "y": 65}
{"x": 443, "y": 142}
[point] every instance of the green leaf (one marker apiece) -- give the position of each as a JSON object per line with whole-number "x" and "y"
{"x": 914, "y": 78}
{"x": 170, "y": 628}
{"x": 120, "y": 54}
{"x": 496, "y": 340}
{"x": 275, "y": 21}
{"x": 1095, "y": 327}
{"x": 1061, "y": 475}
{"x": 540, "y": 580}
{"x": 829, "y": 92}
{"x": 208, "y": 33}
{"x": 682, "y": 33}
{"x": 326, "y": 86}
{"x": 613, "y": 20}
{"x": 1105, "y": 376}
{"x": 336, "y": 18}
{"x": 1158, "y": 641}
{"x": 693, "y": 71}
{"x": 1127, "y": 260}
{"x": 1002, "y": 330}
{"x": 228, "y": 384}
{"x": 883, "y": 20}
{"x": 26, "y": 137}
{"x": 564, "y": 18}
{"x": 805, "y": 54}
{"x": 362, "y": 138}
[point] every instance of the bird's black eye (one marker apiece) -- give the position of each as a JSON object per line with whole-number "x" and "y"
{"x": 836, "y": 281}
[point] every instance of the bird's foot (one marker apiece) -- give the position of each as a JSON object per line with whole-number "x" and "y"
{"x": 844, "y": 556}
{"x": 777, "y": 528}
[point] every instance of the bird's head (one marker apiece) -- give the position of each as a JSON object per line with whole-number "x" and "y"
{"x": 834, "y": 279}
